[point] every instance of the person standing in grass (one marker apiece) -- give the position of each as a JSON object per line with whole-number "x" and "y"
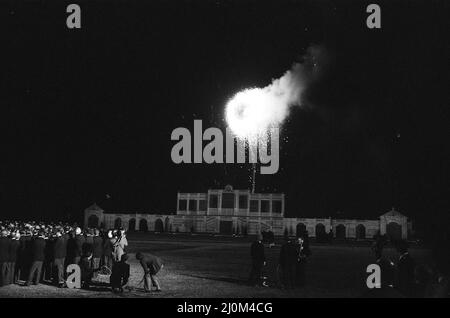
{"x": 59, "y": 254}
{"x": 405, "y": 270}
{"x": 4, "y": 257}
{"x": 119, "y": 244}
{"x": 288, "y": 262}
{"x": 97, "y": 249}
{"x": 258, "y": 262}
{"x": 37, "y": 257}
{"x": 108, "y": 250}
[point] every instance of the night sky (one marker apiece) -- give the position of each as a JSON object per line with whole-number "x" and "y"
{"x": 88, "y": 113}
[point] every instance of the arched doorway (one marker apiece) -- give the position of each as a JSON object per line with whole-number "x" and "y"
{"x": 143, "y": 225}
{"x": 159, "y": 226}
{"x": 118, "y": 223}
{"x": 301, "y": 229}
{"x": 340, "y": 231}
{"x": 320, "y": 230}
{"x": 360, "y": 231}
{"x": 394, "y": 231}
{"x": 132, "y": 225}
{"x": 93, "y": 221}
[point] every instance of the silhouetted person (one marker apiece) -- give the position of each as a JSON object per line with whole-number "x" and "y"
{"x": 97, "y": 249}
{"x": 303, "y": 252}
{"x": 87, "y": 272}
{"x": 439, "y": 283}
{"x": 88, "y": 241}
{"x": 27, "y": 256}
{"x": 306, "y": 248}
{"x": 120, "y": 274}
{"x": 423, "y": 275}
{"x": 20, "y": 268}
{"x": 66, "y": 236}
{"x": 405, "y": 270}
{"x": 108, "y": 250}
{"x": 78, "y": 248}
{"x": 37, "y": 259}
{"x": 258, "y": 261}
{"x": 47, "y": 267}
{"x": 151, "y": 265}
{"x": 4, "y": 257}
{"x": 288, "y": 262}
{"x": 59, "y": 254}
{"x": 13, "y": 255}
{"x": 387, "y": 270}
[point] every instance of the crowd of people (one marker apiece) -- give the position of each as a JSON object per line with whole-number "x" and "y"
{"x": 291, "y": 265}
{"x": 37, "y": 252}
{"x": 401, "y": 277}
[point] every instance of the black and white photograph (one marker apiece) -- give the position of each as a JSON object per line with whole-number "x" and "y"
{"x": 237, "y": 150}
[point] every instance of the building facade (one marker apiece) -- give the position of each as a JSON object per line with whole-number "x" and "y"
{"x": 228, "y": 211}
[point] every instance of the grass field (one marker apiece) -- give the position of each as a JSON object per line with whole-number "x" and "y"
{"x": 206, "y": 266}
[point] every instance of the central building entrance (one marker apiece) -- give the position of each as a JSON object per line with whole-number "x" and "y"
{"x": 226, "y": 227}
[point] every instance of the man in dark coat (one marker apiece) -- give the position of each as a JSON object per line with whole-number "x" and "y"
{"x": 37, "y": 259}
{"x": 79, "y": 241}
{"x": 74, "y": 247}
{"x": 26, "y": 255}
{"x": 67, "y": 239}
{"x": 97, "y": 249}
{"x": 13, "y": 255}
{"x": 303, "y": 252}
{"x": 120, "y": 274}
{"x": 88, "y": 242}
{"x": 288, "y": 261}
{"x": 71, "y": 248}
{"x": 48, "y": 260}
{"x": 59, "y": 254}
{"x": 405, "y": 270}
{"x": 386, "y": 290}
{"x": 107, "y": 250}
{"x": 151, "y": 265}
{"x": 258, "y": 262}
{"x": 4, "y": 257}
{"x": 87, "y": 272}
{"x": 21, "y": 257}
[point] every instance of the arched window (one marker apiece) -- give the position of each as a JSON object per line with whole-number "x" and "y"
{"x": 394, "y": 231}
{"x": 159, "y": 226}
{"x": 118, "y": 223}
{"x": 340, "y": 231}
{"x": 301, "y": 229}
{"x": 143, "y": 225}
{"x": 320, "y": 230}
{"x": 360, "y": 231}
{"x": 93, "y": 221}
{"x": 132, "y": 225}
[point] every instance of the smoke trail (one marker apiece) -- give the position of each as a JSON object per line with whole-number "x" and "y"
{"x": 253, "y": 111}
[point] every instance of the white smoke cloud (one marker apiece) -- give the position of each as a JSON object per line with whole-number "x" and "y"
{"x": 252, "y": 112}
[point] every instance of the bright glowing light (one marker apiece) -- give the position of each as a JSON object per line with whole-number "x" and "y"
{"x": 252, "y": 112}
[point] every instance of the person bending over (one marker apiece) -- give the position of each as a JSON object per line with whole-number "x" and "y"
{"x": 151, "y": 265}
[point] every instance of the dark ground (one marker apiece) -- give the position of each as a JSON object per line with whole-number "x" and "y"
{"x": 207, "y": 266}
